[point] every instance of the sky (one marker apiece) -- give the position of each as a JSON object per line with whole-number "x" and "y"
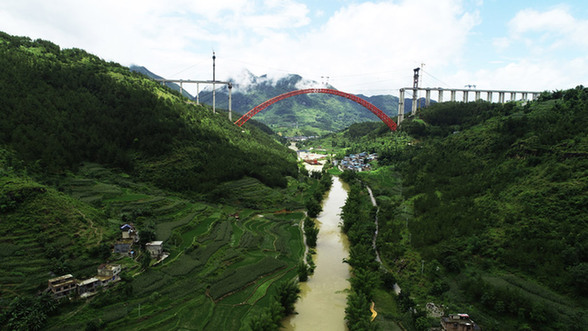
{"x": 367, "y": 47}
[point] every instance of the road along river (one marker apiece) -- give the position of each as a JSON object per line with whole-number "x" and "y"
{"x": 323, "y": 298}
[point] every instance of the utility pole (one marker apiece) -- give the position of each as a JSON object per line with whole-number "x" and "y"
{"x": 423, "y": 70}
{"x": 418, "y": 84}
{"x": 230, "y": 110}
{"x": 213, "y": 85}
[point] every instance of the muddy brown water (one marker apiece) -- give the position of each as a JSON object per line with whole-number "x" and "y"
{"x": 323, "y": 297}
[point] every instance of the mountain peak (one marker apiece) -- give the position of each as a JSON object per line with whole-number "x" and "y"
{"x": 245, "y": 81}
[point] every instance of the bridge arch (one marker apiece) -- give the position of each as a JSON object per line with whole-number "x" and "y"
{"x": 385, "y": 118}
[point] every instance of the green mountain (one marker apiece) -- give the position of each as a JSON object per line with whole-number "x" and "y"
{"x": 61, "y": 107}
{"x": 499, "y": 195}
{"x": 309, "y": 114}
{"x": 484, "y": 212}
{"x": 86, "y": 146}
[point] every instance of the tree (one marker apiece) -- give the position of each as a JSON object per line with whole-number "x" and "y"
{"x": 302, "y": 272}
{"x": 364, "y": 281}
{"x": 146, "y": 235}
{"x": 422, "y": 324}
{"x": 311, "y": 232}
{"x": 288, "y": 294}
{"x": 388, "y": 280}
{"x": 357, "y": 312}
{"x": 313, "y": 207}
{"x": 145, "y": 260}
{"x": 268, "y": 319}
{"x": 579, "y": 277}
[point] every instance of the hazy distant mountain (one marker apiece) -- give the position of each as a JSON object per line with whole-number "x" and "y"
{"x": 146, "y": 72}
{"x": 307, "y": 114}
{"x": 304, "y": 114}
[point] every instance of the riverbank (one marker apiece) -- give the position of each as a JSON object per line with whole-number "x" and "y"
{"x": 323, "y": 297}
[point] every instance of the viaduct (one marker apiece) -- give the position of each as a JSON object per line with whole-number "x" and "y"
{"x": 489, "y": 96}
{"x": 525, "y": 95}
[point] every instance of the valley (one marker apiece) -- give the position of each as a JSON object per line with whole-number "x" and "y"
{"x": 479, "y": 208}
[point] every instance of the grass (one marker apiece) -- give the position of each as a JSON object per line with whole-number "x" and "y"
{"x": 239, "y": 261}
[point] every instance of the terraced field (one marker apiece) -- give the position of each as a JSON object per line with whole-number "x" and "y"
{"x": 40, "y": 238}
{"x": 224, "y": 262}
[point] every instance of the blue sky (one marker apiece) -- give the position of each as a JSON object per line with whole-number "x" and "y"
{"x": 368, "y": 47}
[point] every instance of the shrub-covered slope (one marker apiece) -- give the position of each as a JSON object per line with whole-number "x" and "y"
{"x": 60, "y": 107}
{"x": 513, "y": 189}
{"x": 86, "y": 146}
{"x": 499, "y": 195}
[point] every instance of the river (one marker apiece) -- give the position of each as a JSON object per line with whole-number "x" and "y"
{"x": 323, "y": 297}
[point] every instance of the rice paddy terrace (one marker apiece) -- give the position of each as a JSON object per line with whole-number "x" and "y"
{"x": 224, "y": 259}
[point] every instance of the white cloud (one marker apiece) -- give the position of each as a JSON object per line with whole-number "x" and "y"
{"x": 556, "y": 27}
{"x": 500, "y": 44}
{"x": 365, "y": 47}
{"x": 544, "y": 50}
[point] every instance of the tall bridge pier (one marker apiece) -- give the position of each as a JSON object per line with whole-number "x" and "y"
{"x": 198, "y": 82}
{"x": 524, "y": 95}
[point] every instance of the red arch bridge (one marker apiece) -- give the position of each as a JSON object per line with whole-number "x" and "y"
{"x": 385, "y": 118}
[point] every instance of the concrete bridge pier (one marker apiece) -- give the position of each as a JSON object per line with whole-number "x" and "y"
{"x": 453, "y": 93}
{"x": 213, "y": 97}
{"x": 415, "y": 100}
{"x": 401, "y": 106}
{"x": 489, "y": 96}
{"x": 197, "y": 93}
{"x": 440, "y": 97}
{"x": 428, "y": 98}
{"x": 198, "y": 82}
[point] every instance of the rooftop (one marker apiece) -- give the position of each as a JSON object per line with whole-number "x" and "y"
{"x": 61, "y": 279}
{"x": 88, "y": 281}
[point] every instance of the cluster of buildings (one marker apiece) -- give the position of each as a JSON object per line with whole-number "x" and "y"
{"x": 301, "y": 138}
{"x": 459, "y": 322}
{"x": 68, "y": 285}
{"x": 130, "y": 237}
{"x": 124, "y": 245}
{"x": 357, "y": 162}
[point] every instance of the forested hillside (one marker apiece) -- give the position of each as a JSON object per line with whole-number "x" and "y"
{"x": 87, "y": 146}
{"x": 499, "y": 195}
{"x": 483, "y": 210}
{"x": 61, "y": 107}
{"x": 515, "y": 187}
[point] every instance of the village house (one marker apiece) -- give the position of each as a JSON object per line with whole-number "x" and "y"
{"x": 67, "y": 285}
{"x": 62, "y": 286}
{"x": 459, "y": 322}
{"x": 129, "y": 236}
{"x": 88, "y": 286}
{"x": 123, "y": 246}
{"x": 129, "y": 232}
{"x": 155, "y": 248}
{"x": 108, "y": 273}
{"x": 358, "y": 162}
